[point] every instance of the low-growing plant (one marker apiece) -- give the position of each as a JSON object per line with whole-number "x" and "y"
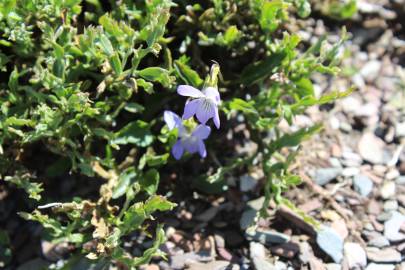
{"x": 93, "y": 93}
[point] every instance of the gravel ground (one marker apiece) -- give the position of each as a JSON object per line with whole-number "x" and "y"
{"x": 352, "y": 200}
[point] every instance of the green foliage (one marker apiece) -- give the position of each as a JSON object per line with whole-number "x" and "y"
{"x": 89, "y": 90}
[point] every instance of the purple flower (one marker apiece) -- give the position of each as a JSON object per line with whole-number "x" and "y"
{"x": 191, "y": 142}
{"x": 204, "y": 104}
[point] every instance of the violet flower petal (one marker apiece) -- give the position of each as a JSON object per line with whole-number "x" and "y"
{"x": 201, "y": 132}
{"x": 213, "y": 94}
{"x": 201, "y": 149}
{"x": 216, "y": 118}
{"x": 172, "y": 120}
{"x": 177, "y": 150}
{"x": 191, "y": 108}
{"x": 190, "y": 144}
{"x": 205, "y": 111}
{"x": 189, "y": 91}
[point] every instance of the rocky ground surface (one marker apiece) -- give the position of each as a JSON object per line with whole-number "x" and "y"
{"x": 352, "y": 201}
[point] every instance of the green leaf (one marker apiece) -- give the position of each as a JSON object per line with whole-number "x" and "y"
{"x": 241, "y": 105}
{"x": 115, "y": 63}
{"x": 133, "y": 107}
{"x": 304, "y": 87}
{"x": 158, "y": 203}
{"x": 188, "y": 75}
{"x": 23, "y": 181}
{"x": 124, "y": 181}
{"x": 137, "y": 132}
{"x": 150, "y": 181}
{"x": 231, "y": 35}
{"x": 262, "y": 69}
{"x": 156, "y": 74}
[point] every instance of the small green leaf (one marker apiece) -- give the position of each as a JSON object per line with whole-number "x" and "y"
{"x": 188, "y": 75}
{"x": 231, "y": 35}
{"x": 115, "y": 63}
{"x": 137, "y": 133}
{"x": 156, "y": 74}
{"x": 124, "y": 181}
{"x": 150, "y": 181}
{"x": 244, "y": 106}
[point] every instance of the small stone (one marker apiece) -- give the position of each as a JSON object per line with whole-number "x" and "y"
{"x": 247, "y": 219}
{"x": 256, "y": 204}
{"x": 392, "y": 174}
{"x": 400, "y": 129}
{"x": 286, "y": 250}
{"x": 371, "y": 148}
{"x": 373, "y": 207}
{"x": 267, "y": 237}
{"x": 350, "y": 171}
{"x": 388, "y": 190}
{"x": 384, "y": 216}
{"x": 214, "y": 265}
{"x": 339, "y": 225}
{"x": 325, "y": 175}
{"x": 362, "y": 184}
{"x": 390, "y": 205}
{"x": 355, "y": 255}
{"x": 257, "y": 250}
{"x": 333, "y": 266}
{"x": 219, "y": 241}
{"x": 371, "y": 70}
{"x": 388, "y": 255}
{"x": 375, "y": 266}
{"x": 262, "y": 264}
{"x": 306, "y": 252}
{"x": 331, "y": 243}
{"x": 247, "y": 183}
{"x": 400, "y": 180}
{"x": 379, "y": 241}
{"x": 392, "y": 227}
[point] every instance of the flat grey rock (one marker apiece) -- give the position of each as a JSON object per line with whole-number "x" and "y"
{"x": 331, "y": 243}
{"x": 325, "y": 175}
{"x": 387, "y": 255}
{"x": 362, "y": 184}
{"x": 267, "y": 237}
{"x": 392, "y": 227}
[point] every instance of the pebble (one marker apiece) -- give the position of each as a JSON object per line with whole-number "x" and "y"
{"x": 350, "y": 171}
{"x": 267, "y": 237}
{"x": 388, "y": 190}
{"x": 400, "y": 129}
{"x": 247, "y": 183}
{"x": 371, "y": 70}
{"x": 375, "y": 266}
{"x": 333, "y": 266}
{"x": 362, "y": 184}
{"x": 247, "y": 218}
{"x": 331, "y": 243}
{"x": 379, "y": 241}
{"x": 388, "y": 255}
{"x": 390, "y": 205}
{"x": 286, "y": 250}
{"x": 257, "y": 250}
{"x": 214, "y": 265}
{"x": 355, "y": 255}
{"x": 325, "y": 175}
{"x": 371, "y": 148}
{"x": 262, "y": 264}
{"x": 400, "y": 180}
{"x": 392, "y": 227}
